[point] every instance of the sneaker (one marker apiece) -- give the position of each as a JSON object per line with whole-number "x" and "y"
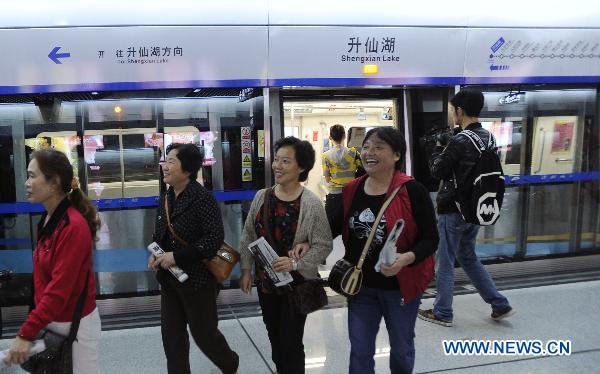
{"x": 427, "y": 315}
{"x": 497, "y": 315}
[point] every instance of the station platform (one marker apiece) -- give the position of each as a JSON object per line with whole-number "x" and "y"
{"x": 564, "y": 312}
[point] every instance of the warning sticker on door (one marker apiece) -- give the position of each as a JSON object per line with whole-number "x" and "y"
{"x": 246, "y": 161}
{"x": 246, "y": 174}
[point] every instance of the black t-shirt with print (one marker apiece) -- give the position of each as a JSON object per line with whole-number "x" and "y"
{"x": 361, "y": 217}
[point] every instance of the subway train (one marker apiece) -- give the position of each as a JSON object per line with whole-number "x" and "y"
{"x": 236, "y": 76}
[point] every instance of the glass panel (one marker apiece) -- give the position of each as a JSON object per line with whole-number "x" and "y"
{"x": 126, "y": 233}
{"x": 554, "y": 139}
{"x": 590, "y": 231}
{"x": 549, "y": 229}
{"x": 102, "y": 155}
{"x": 508, "y": 141}
{"x": 15, "y": 229}
{"x": 500, "y": 239}
{"x": 118, "y": 145}
{"x": 548, "y": 123}
{"x": 140, "y": 162}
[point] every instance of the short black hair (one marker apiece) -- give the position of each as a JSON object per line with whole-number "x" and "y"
{"x": 303, "y": 151}
{"x": 190, "y": 156}
{"x": 470, "y": 100}
{"x": 393, "y": 138}
{"x": 337, "y": 133}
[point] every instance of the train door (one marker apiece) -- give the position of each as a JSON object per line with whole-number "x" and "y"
{"x": 310, "y": 120}
{"x": 553, "y": 150}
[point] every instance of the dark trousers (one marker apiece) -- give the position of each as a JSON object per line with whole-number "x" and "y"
{"x": 333, "y": 206}
{"x": 285, "y": 328}
{"x": 182, "y": 305}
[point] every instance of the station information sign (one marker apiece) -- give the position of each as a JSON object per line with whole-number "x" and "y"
{"x": 105, "y": 58}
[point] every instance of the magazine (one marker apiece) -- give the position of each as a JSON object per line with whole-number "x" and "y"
{"x": 387, "y": 255}
{"x": 264, "y": 255}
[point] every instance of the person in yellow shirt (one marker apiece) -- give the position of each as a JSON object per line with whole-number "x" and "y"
{"x": 340, "y": 164}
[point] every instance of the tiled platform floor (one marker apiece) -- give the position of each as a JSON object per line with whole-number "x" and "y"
{"x": 568, "y": 311}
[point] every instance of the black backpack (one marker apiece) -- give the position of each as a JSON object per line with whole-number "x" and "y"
{"x": 479, "y": 196}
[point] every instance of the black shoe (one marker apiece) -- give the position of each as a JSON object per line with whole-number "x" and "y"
{"x": 427, "y": 315}
{"x": 497, "y": 315}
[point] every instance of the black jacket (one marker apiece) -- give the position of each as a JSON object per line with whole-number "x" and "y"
{"x": 196, "y": 218}
{"x": 456, "y": 159}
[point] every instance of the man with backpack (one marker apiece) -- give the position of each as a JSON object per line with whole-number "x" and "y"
{"x": 470, "y": 195}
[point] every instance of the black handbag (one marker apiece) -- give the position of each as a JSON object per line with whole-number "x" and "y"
{"x": 307, "y": 296}
{"x": 57, "y": 358}
{"x": 346, "y": 278}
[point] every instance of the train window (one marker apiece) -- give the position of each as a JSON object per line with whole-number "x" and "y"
{"x": 102, "y": 154}
{"x": 503, "y": 131}
{"x": 132, "y": 111}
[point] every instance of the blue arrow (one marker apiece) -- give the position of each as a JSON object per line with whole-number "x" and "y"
{"x": 54, "y": 55}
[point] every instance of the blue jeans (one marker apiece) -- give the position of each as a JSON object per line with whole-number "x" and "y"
{"x": 457, "y": 240}
{"x": 364, "y": 316}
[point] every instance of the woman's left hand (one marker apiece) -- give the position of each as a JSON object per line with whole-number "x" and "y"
{"x": 299, "y": 250}
{"x": 165, "y": 261}
{"x": 18, "y": 352}
{"x": 402, "y": 260}
{"x": 282, "y": 264}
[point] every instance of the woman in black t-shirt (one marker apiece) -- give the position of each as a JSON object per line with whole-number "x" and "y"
{"x": 395, "y": 292}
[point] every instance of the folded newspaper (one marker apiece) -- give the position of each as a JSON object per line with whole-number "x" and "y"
{"x": 387, "y": 256}
{"x": 265, "y": 255}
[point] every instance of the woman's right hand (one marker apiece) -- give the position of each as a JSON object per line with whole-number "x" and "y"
{"x": 18, "y": 352}
{"x": 152, "y": 262}
{"x": 246, "y": 281}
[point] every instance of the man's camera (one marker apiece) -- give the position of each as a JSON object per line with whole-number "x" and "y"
{"x": 436, "y": 134}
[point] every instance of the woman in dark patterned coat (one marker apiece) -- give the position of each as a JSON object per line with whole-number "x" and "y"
{"x": 196, "y": 219}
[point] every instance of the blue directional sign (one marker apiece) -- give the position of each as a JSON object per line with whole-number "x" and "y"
{"x": 497, "y": 44}
{"x": 54, "y": 55}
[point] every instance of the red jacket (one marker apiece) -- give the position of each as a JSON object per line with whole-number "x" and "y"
{"x": 61, "y": 262}
{"x": 413, "y": 280}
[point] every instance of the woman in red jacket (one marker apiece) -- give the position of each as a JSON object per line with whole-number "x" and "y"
{"x": 62, "y": 261}
{"x": 395, "y": 292}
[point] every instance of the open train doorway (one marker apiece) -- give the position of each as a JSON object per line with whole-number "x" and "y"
{"x": 311, "y": 121}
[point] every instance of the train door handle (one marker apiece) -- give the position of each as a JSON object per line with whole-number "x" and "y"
{"x": 543, "y": 140}
{"x": 558, "y": 159}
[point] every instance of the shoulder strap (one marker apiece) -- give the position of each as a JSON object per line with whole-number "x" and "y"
{"x": 475, "y": 139}
{"x": 171, "y": 230}
{"x": 265, "y": 214}
{"x": 78, "y": 311}
{"x": 491, "y": 141}
{"x": 374, "y": 228}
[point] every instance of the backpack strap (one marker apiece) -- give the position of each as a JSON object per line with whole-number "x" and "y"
{"x": 475, "y": 139}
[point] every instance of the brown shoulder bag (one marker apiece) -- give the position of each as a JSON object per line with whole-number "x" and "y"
{"x": 222, "y": 264}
